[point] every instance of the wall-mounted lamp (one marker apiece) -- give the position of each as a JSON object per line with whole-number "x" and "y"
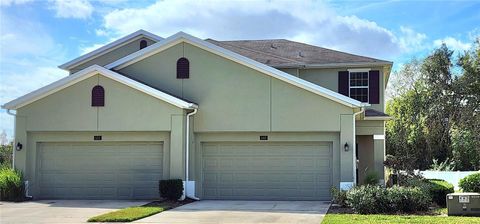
{"x": 19, "y": 146}
{"x": 346, "y": 147}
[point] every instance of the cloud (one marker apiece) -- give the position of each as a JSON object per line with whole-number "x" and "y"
{"x": 411, "y": 40}
{"x": 76, "y": 9}
{"x": 453, "y": 44}
{"x": 14, "y": 2}
{"x": 307, "y": 21}
{"x": 16, "y": 38}
{"x": 27, "y": 62}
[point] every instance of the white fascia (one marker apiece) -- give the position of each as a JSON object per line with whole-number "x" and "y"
{"x": 110, "y": 47}
{"x": 87, "y": 73}
{"x": 183, "y": 37}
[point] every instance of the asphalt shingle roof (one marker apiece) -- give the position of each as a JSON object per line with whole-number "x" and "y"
{"x": 286, "y": 53}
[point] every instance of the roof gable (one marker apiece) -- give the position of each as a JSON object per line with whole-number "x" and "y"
{"x": 110, "y": 47}
{"x": 183, "y": 37}
{"x": 89, "y": 72}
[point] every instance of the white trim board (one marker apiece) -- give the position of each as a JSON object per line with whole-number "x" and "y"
{"x": 87, "y": 73}
{"x": 183, "y": 37}
{"x": 110, "y": 47}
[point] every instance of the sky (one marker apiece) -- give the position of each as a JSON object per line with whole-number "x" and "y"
{"x": 38, "y": 35}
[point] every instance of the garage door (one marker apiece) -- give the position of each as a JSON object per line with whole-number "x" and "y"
{"x": 267, "y": 171}
{"x": 99, "y": 170}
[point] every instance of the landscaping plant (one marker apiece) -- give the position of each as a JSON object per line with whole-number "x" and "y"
{"x": 375, "y": 199}
{"x": 339, "y": 197}
{"x": 11, "y": 187}
{"x": 171, "y": 189}
{"x": 371, "y": 178}
{"x": 470, "y": 183}
{"x": 438, "y": 190}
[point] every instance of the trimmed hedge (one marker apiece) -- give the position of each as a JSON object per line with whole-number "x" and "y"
{"x": 470, "y": 183}
{"x": 438, "y": 190}
{"x": 171, "y": 189}
{"x": 375, "y": 199}
{"x": 11, "y": 185}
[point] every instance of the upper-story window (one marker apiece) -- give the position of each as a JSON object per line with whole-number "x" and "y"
{"x": 359, "y": 86}
{"x": 98, "y": 96}
{"x": 143, "y": 44}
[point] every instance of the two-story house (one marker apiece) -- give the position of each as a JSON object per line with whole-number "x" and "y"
{"x": 251, "y": 119}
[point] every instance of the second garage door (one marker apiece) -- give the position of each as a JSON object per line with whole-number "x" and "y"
{"x": 267, "y": 171}
{"x": 99, "y": 170}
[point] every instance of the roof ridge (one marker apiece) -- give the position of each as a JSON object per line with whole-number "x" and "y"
{"x": 260, "y": 52}
{"x": 342, "y": 52}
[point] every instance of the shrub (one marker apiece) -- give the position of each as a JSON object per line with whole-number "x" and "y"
{"x": 470, "y": 183}
{"x": 375, "y": 199}
{"x": 339, "y": 197}
{"x": 171, "y": 189}
{"x": 371, "y": 178}
{"x": 11, "y": 187}
{"x": 438, "y": 190}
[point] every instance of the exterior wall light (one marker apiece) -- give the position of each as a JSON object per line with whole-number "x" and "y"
{"x": 19, "y": 146}
{"x": 346, "y": 147}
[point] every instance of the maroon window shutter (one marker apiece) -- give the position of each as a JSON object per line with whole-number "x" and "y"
{"x": 374, "y": 87}
{"x": 98, "y": 96}
{"x": 343, "y": 82}
{"x": 183, "y": 68}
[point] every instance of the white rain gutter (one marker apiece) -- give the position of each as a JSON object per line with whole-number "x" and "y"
{"x": 27, "y": 184}
{"x": 354, "y": 146}
{"x": 187, "y": 160}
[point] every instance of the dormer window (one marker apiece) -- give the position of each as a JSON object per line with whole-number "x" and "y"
{"x": 143, "y": 44}
{"x": 98, "y": 96}
{"x": 183, "y": 68}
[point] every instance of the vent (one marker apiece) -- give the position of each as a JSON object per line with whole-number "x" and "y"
{"x": 183, "y": 68}
{"x": 98, "y": 96}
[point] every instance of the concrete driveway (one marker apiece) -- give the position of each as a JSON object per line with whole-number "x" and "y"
{"x": 200, "y": 212}
{"x": 58, "y": 211}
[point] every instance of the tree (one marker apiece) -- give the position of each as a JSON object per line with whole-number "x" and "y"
{"x": 436, "y": 108}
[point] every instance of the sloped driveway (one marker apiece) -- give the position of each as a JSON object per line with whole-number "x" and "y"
{"x": 58, "y": 211}
{"x": 220, "y": 212}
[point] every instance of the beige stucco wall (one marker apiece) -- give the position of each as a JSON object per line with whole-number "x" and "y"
{"x": 365, "y": 156}
{"x": 328, "y": 78}
{"x": 113, "y": 55}
{"x": 233, "y": 97}
{"x": 371, "y": 134}
{"x": 69, "y": 112}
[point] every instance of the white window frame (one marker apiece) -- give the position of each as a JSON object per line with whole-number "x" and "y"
{"x": 366, "y": 70}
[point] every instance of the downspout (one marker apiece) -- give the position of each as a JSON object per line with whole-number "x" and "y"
{"x": 362, "y": 109}
{"x": 187, "y": 150}
{"x": 27, "y": 184}
{"x": 13, "y": 146}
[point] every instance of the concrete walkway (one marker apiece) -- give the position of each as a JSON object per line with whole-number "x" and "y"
{"x": 220, "y": 212}
{"x": 58, "y": 211}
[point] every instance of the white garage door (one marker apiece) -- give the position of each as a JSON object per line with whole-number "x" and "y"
{"x": 267, "y": 171}
{"x": 99, "y": 170}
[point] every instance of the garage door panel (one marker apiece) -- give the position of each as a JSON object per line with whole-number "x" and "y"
{"x": 100, "y": 170}
{"x": 296, "y": 171}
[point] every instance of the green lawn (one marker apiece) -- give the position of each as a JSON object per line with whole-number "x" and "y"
{"x": 354, "y": 218}
{"x": 130, "y": 214}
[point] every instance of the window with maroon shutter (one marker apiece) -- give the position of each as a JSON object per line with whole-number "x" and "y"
{"x": 374, "y": 87}
{"x": 359, "y": 86}
{"x": 183, "y": 68}
{"x": 98, "y": 96}
{"x": 343, "y": 83}
{"x": 143, "y": 44}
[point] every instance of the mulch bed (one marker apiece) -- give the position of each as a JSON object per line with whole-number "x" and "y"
{"x": 337, "y": 209}
{"x": 170, "y": 203}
